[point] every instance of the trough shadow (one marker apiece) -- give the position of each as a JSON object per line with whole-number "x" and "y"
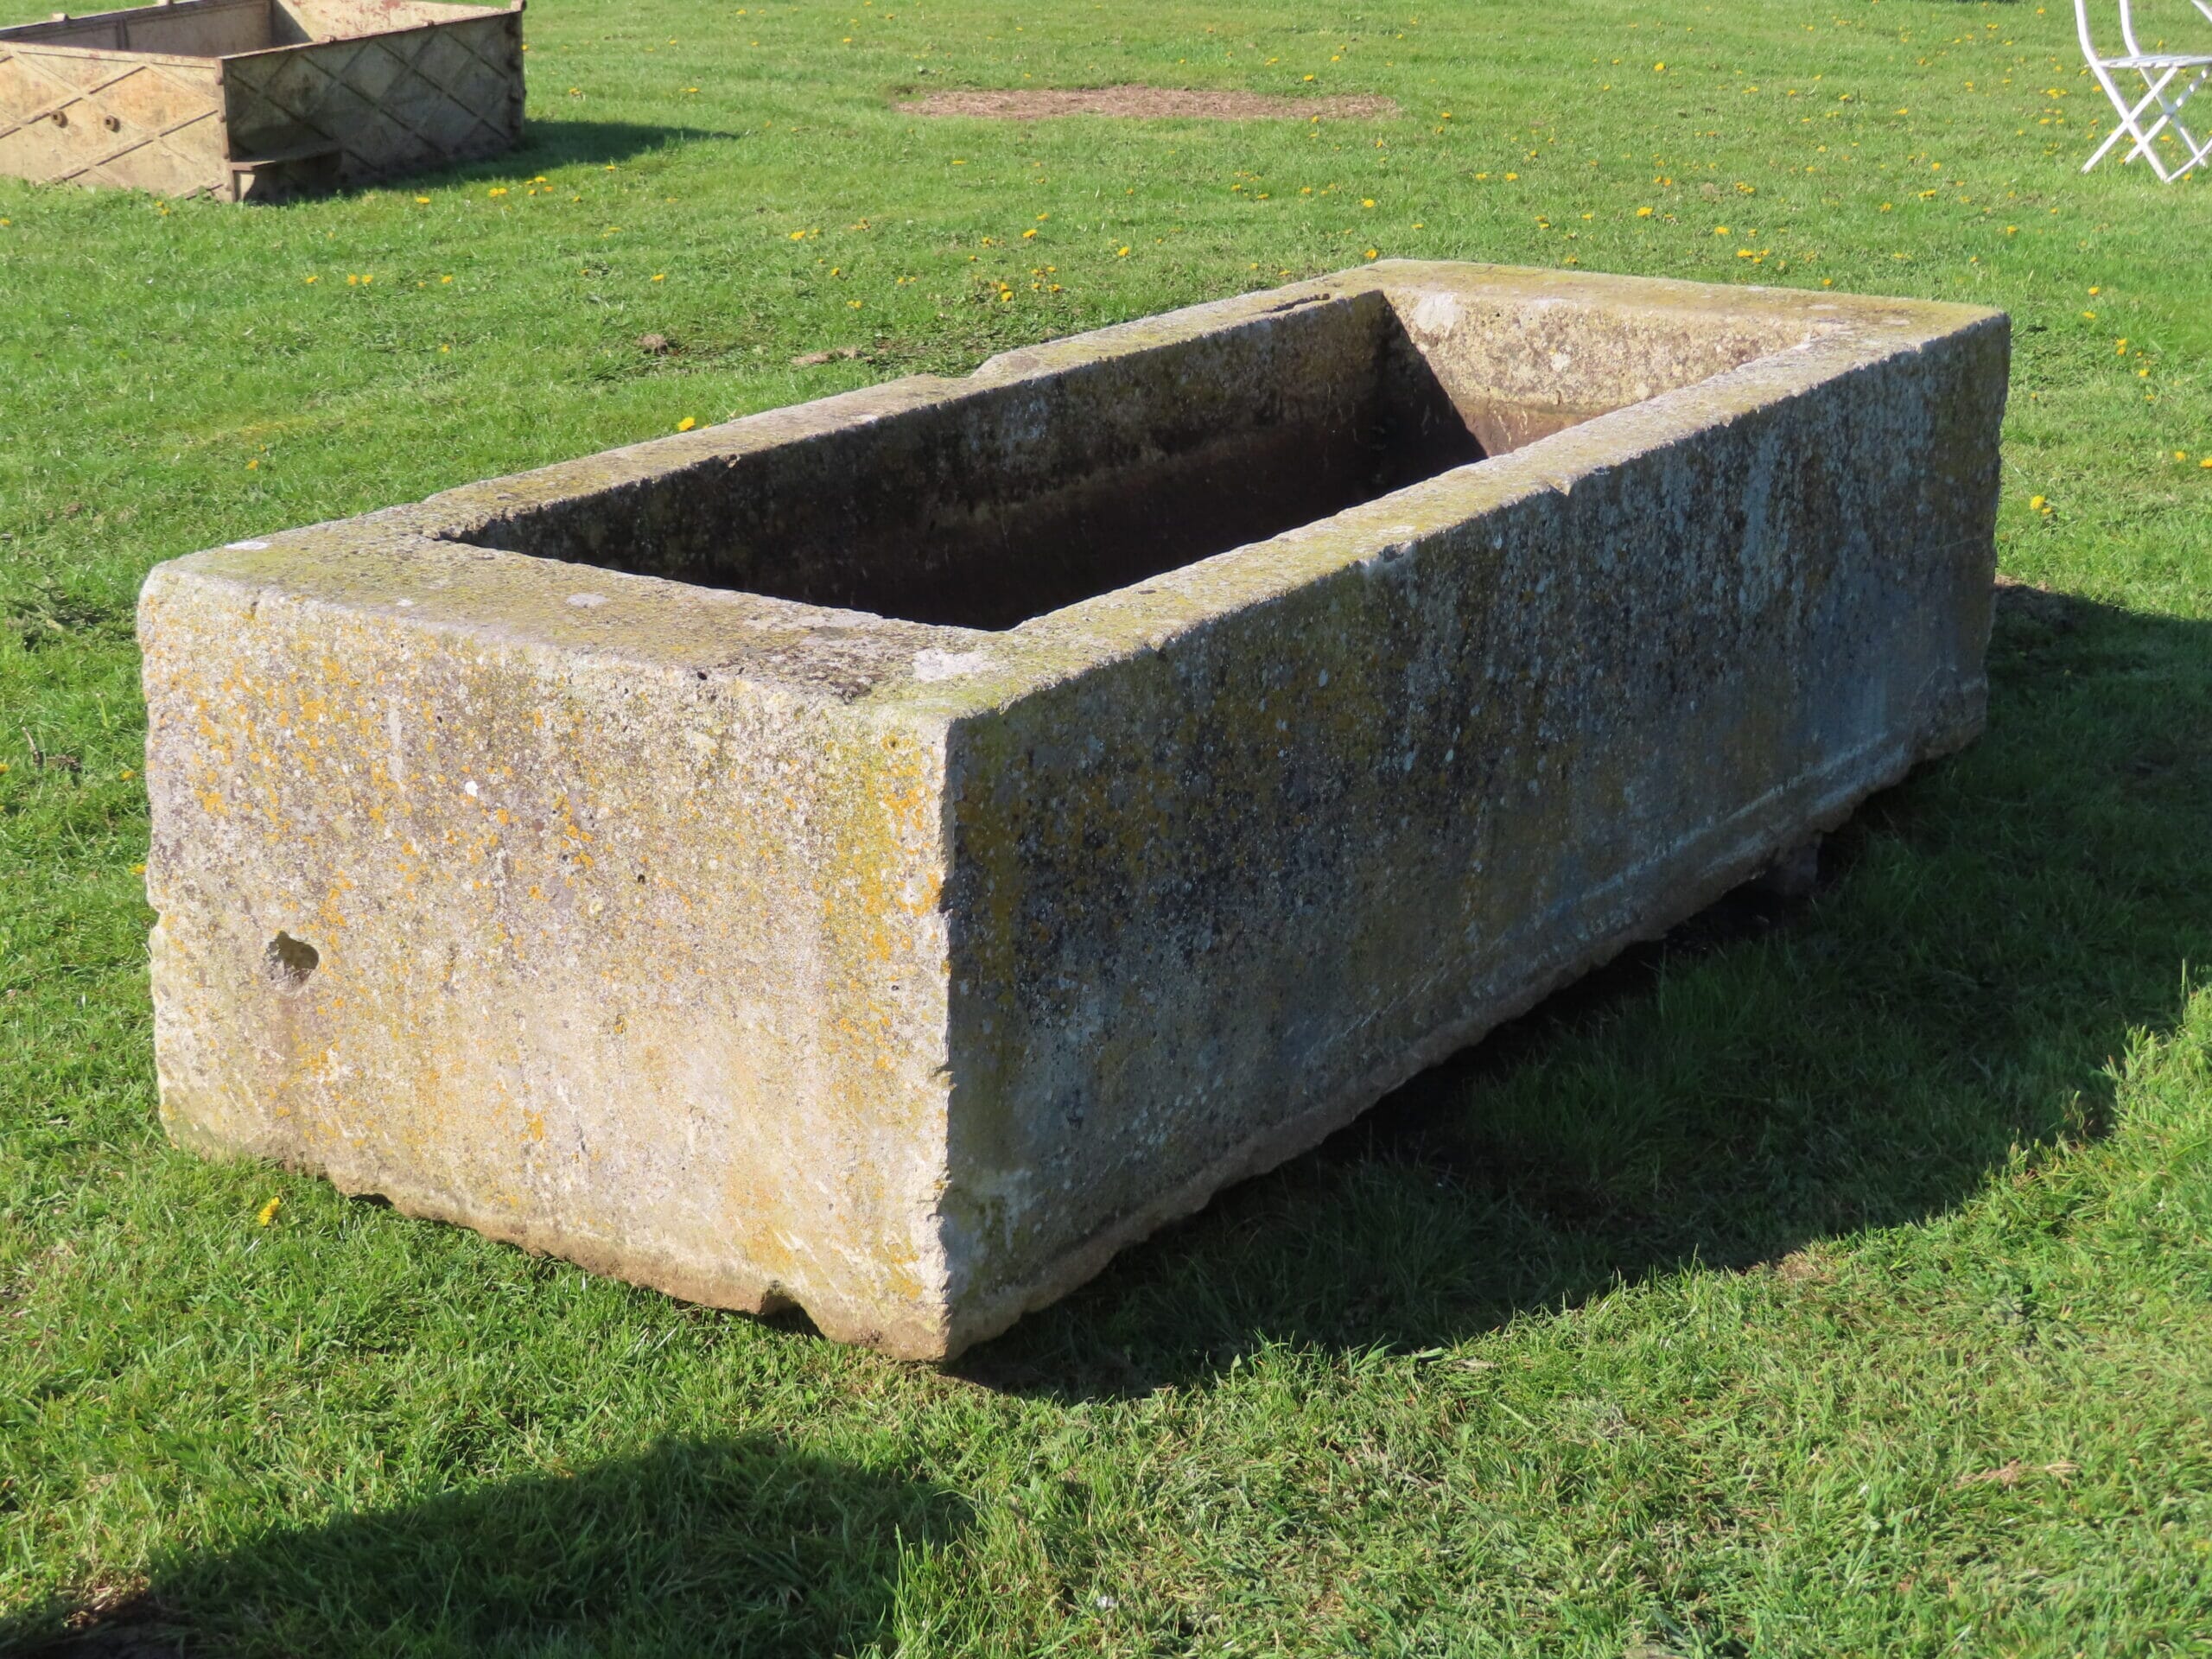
{"x": 543, "y": 144}
{"x": 1776, "y": 1072}
{"x": 594, "y": 143}
{"x": 738, "y": 1545}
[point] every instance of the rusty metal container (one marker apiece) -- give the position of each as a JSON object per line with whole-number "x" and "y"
{"x": 258, "y": 99}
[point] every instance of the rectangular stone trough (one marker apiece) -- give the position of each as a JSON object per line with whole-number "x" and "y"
{"x": 886, "y": 855}
{"x": 258, "y": 99}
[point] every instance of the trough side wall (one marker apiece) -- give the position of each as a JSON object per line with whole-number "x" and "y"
{"x": 1215, "y": 895}
{"x": 624, "y": 959}
{"x": 70, "y": 115}
{"x": 391, "y": 103}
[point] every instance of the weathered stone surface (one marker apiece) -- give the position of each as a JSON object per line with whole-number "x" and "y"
{"x": 887, "y": 854}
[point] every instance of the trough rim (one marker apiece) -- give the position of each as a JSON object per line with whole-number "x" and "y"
{"x": 19, "y": 37}
{"x": 683, "y": 632}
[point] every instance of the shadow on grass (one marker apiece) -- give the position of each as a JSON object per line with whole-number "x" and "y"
{"x": 697, "y": 1547}
{"x": 1980, "y": 943}
{"x": 550, "y": 143}
{"x": 566, "y": 143}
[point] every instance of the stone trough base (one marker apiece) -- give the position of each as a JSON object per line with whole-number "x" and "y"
{"x": 886, "y": 855}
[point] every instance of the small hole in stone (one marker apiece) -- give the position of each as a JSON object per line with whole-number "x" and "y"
{"x": 288, "y": 961}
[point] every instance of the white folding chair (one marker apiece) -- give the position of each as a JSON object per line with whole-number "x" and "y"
{"x": 2159, "y": 71}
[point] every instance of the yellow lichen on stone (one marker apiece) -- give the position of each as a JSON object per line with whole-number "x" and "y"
{"x": 1110, "y": 773}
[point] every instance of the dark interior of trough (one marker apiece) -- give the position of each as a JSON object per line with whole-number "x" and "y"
{"x": 1001, "y": 503}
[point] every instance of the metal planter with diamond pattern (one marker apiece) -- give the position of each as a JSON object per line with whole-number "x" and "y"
{"x": 258, "y": 99}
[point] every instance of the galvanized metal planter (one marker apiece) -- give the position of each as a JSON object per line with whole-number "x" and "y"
{"x": 258, "y": 99}
{"x": 889, "y": 854}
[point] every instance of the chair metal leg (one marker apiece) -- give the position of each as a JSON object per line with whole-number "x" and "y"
{"x": 2159, "y": 76}
{"x": 2170, "y": 116}
{"x": 2131, "y": 121}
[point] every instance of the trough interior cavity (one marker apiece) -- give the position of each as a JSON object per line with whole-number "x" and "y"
{"x": 222, "y": 29}
{"x": 1002, "y": 503}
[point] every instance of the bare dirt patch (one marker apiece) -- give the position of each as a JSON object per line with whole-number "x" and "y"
{"x": 1147, "y": 103}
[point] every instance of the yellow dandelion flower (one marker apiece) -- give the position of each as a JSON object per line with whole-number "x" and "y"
{"x": 2036, "y": 504}
{"x": 1373, "y": 254}
{"x": 660, "y": 277}
{"x": 267, "y": 1213}
{"x": 422, "y": 202}
{"x": 1643, "y": 212}
{"x": 497, "y": 190}
{"x": 686, "y": 424}
{"x": 1121, "y": 253}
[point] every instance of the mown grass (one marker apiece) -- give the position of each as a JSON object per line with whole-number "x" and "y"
{"x": 1833, "y": 1281}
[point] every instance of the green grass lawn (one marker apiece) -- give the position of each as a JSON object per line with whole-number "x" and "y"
{"x": 1833, "y": 1281}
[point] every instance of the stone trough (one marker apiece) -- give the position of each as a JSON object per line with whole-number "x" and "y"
{"x": 258, "y": 99}
{"x": 886, "y": 855}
